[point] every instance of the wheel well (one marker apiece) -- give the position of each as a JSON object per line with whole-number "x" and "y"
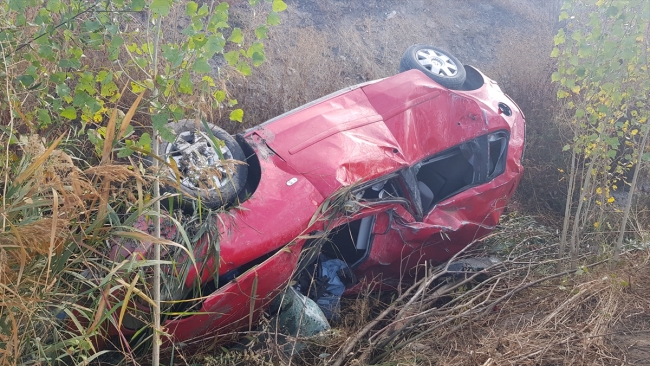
{"x": 473, "y": 79}
{"x": 254, "y": 169}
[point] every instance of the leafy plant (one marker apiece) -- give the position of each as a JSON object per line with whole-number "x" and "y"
{"x": 71, "y": 59}
{"x": 602, "y": 53}
{"x": 91, "y": 71}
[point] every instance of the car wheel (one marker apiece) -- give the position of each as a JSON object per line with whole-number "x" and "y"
{"x": 439, "y": 65}
{"x": 204, "y": 175}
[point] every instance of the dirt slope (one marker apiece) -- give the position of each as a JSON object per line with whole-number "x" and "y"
{"x": 472, "y": 30}
{"x": 323, "y": 46}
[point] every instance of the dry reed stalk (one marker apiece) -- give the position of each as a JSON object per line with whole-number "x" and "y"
{"x": 52, "y": 204}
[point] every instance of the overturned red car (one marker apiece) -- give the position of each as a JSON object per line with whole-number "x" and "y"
{"x": 383, "y": 176}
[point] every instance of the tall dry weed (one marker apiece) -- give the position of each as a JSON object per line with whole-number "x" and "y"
{"x": 594, "y": 318}
{"x": 50, "y": 210}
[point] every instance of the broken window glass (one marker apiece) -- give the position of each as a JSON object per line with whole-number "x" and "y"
{"x": 472, "y": 163}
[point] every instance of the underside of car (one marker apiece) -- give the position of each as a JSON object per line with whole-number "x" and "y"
{"x": 361, "y": 187}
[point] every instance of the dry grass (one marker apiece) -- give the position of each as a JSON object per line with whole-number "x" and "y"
{"x": 56, "y": 218}
{"x": 524, "y": 72}
{"x": 575, "y": 321}
{"x": 49, "y": 207}
{"x": 521, "y": 315}
{"x": 290, "y": 81}
{"x": 524, "y": 313}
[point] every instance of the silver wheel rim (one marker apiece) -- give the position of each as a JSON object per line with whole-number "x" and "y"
{"x": 436, "y": 62}
{"x": 198, "y": 161}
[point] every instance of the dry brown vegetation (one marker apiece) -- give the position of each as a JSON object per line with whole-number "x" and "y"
{"x": 37, "y": 280}
{"x": 522, "y": 311}
{"x": 597, "y": 318}
{"x": 525, "y": 313}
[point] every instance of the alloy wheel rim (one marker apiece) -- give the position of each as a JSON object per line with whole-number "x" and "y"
{"x": 436, "y": 62}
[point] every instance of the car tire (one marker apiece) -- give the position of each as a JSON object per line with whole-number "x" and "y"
{"x": 439, "y": 65}
{"x": 223, "y": 189}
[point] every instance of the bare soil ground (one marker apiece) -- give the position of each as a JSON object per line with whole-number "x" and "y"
{"x": 323, "y": 46}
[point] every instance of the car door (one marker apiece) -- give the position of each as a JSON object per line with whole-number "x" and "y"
{"x": 462, "y": 193}
{"x": 455, "y": 198}
{"x": 396, "y": 233}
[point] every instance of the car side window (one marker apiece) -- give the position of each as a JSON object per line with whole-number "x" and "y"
{"x": 469, "y": 164}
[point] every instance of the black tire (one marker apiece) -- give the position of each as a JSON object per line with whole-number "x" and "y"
{"x": 452, "y": 73}
{"x": 232, "y": 181}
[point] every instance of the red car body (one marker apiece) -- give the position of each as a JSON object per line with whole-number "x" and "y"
{"x": 397, "y": 131}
